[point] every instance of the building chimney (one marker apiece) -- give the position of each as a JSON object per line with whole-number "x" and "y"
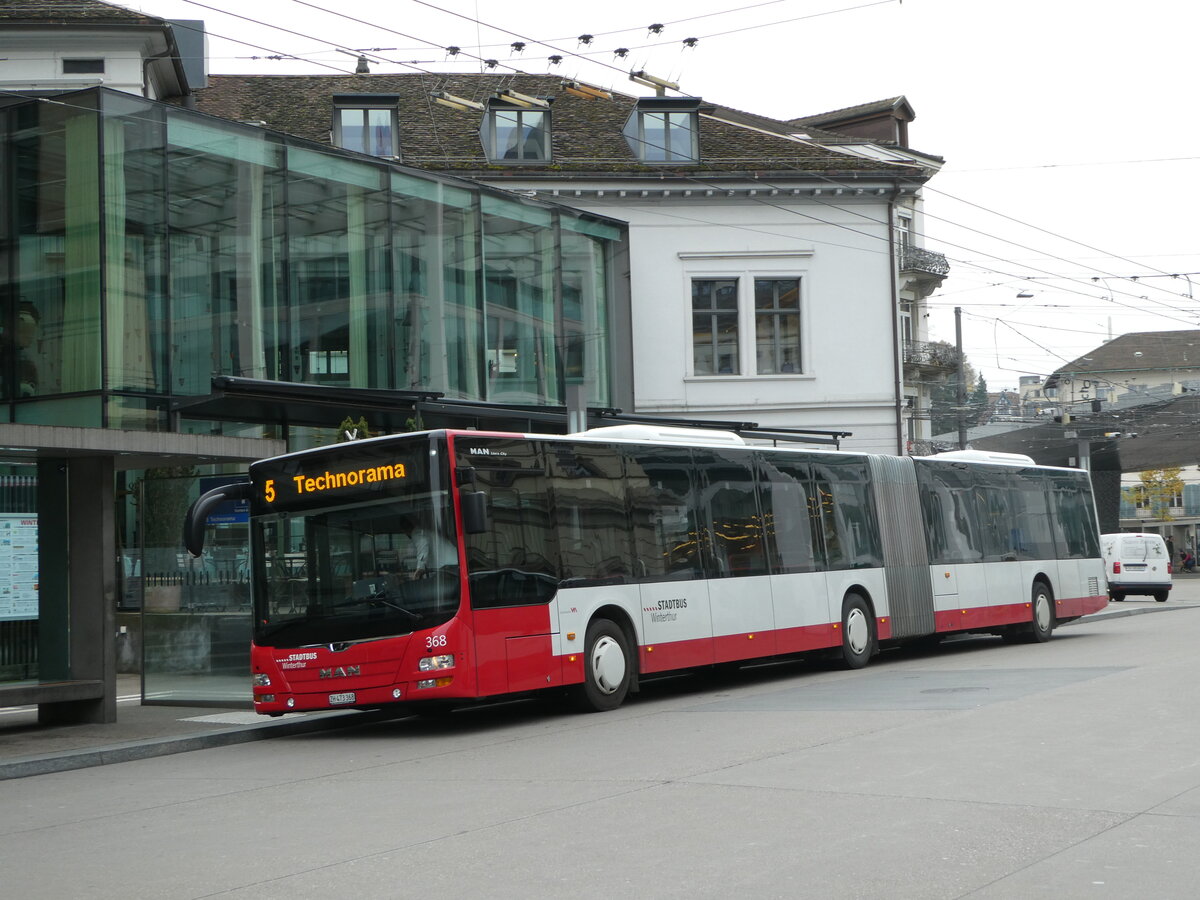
{"x": 362, "y": 68}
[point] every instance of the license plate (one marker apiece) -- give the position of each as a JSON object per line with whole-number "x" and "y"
{"x": 339, "y": 699}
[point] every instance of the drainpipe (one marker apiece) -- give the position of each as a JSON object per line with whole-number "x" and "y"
{"x": 897, "y": 359}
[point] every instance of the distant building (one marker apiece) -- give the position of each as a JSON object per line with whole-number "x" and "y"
{"x": 1034, "y": 402}
{"x": 1181, "y": 522}
{"x": 1130, "y": 370}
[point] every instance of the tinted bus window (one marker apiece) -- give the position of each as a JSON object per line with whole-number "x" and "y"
{"x": 948, "y": 508}
{"x": 992, "y": 508}
{"x": 1033, "y": 536}
{"x": 790, "y": 516}
{"x": 730, "y": 510}
{"x": 517, "y": 557}
{"x": 847, "y": 512}
{"x": 662, "y": 512}
{"x": 588, "y": 490}
{"x": 1074, "y": 517}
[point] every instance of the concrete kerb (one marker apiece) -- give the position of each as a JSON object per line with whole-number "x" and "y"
{"x": 24, "y": 767}
{"x": 1132, "y": 611}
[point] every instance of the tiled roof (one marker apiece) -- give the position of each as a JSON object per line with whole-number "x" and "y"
{"x": 586, "y": 134}
{"x": 70, "y": 12}
{"x": 852, "y": 112}
{"x": 1139, "y": 351}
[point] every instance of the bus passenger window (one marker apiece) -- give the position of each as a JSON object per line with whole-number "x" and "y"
{"x": 588, "y": 490}
{"x": 662, "y": 511}
{"x": 514, "y": 562}
{"x": 731, "y": 513}
{"x": 793, "y": 543}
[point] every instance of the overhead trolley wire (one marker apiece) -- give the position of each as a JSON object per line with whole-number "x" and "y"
{"x": 305, "y": 36}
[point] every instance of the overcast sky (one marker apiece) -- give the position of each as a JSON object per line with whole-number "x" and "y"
{"x": 1068, "y": 126}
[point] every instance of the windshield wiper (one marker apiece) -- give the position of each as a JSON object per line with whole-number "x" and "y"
{"x": 380, "y": 597}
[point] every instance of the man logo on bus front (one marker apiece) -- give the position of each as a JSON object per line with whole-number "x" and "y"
{"x": 339, "y": 672}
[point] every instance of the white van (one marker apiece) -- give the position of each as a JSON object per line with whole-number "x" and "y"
{"x": 1136, "y": 563}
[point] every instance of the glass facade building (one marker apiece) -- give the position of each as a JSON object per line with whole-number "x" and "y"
{"x": 145, "y": 248}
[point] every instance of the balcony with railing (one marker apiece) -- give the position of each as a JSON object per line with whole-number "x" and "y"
{"x": 936, "y": 357}
{"x": 922, "y": 271}
{"x": 928, "y": 262}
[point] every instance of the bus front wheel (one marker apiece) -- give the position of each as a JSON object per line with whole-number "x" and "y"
{"x": 607, "y": 668}
{"x": 858, "y": 633}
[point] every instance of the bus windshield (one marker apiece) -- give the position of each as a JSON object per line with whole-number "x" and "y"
{"x": 358, "y": 572}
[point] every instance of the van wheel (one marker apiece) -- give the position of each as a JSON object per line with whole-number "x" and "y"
{"x": 1042, "y": 625}
{"x": 1116, "y": 596}
{"x": 1161, "y": 596}
{"x": 858, "y": 632}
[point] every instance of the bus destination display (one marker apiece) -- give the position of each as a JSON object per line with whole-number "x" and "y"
{"x": 301, "y": 483}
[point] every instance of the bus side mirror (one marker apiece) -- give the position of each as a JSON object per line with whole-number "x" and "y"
{"x": 474, "y": 511}
{"x": 197, "y": 514}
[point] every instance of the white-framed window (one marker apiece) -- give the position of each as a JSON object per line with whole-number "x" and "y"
{"x": 516, "y": 134}
{"x": 747, "y": 324}
{"x": 716, "y": 348}
{"x": 777, "y": 326}
{"x": 366, "y": 124}
{"x": 664, "y": 131}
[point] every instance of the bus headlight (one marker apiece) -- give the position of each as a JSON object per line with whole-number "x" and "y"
{"x": 261, "y": 679}
{"x": 433, "y": 663}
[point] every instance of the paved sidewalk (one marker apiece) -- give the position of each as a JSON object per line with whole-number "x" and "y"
{"x": 27, "y": 748}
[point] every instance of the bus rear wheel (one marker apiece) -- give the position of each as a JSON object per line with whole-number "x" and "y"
{"x": 607, "y": 668}
{"x": 1042, "y": 625}
{"x": 858, "y": 632}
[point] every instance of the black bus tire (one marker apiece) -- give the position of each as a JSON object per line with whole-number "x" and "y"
{"x": 858, "y": 632}
{"x": 1042, "y": 624}
{"x": 607, "y": 668}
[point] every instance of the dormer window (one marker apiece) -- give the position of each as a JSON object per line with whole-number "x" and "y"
{"x": 513, "y": 133}
{"x": 366, "y": 123}
{"x": 665, "y": 130}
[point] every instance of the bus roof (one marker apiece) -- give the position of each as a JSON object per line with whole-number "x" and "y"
{"x": 655, "y": 434}
{"x": 987, "y": 456}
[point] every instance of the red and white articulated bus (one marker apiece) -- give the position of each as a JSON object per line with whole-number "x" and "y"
{"x": 448, "y": 566}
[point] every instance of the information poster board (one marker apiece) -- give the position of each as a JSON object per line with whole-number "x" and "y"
{"x": 18, "y": 566}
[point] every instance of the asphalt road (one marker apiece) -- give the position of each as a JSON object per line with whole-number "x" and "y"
{"x": 981, "y": 769}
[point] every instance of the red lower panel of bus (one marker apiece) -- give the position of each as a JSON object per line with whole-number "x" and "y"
{"x": 730, "y": 648}
{"x": 1071, "y": 607}
{"x": 967, "y": 619}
